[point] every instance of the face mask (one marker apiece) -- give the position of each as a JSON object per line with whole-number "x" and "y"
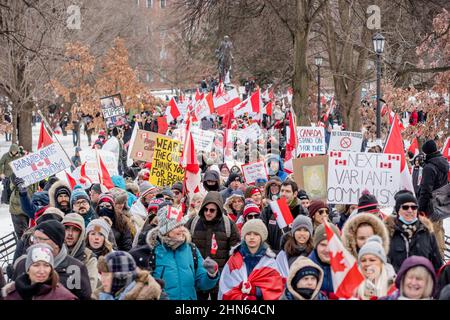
{"x": 407, "y": 222}
{"x": 107, "y": 212}
{"x": 305, "y": 292}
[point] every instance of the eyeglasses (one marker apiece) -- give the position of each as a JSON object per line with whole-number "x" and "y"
{"x": 105, "y": 205}
{"x": 406, "y": 207}
{"x": 80, "y": 202}
{"x": 35, "y": 239}
{"x": 252, "y": 216}
{"x": 321, "y": 211}
{"x": 212, "y": 210}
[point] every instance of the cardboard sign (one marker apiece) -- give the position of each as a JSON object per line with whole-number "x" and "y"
{"x": 203, "y": 139}
{"x": 166, "y": 169}
{"x": 92, "y": 167}
{"x": 254, "y": 171}
{"x": 350, "y": 173}
{"x": 311, "y": 175}
{"x": 346, "y": 141}
{"x": 41, "y": 164}
{"x": 113, "y": 111}
{"x": 311, "y": 140}
{"x": 144, "y": 145}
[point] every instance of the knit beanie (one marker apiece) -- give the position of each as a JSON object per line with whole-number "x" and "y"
{"x": 77, "y": 194}
{"x": 54, "y": 230}
{"x": 404, "y": 198}
{"x": 315, "y": 206}
{"x": 62, "y": 189}
{"x": 96, "y": 187}
{"x": 74, "y": 220}
{"x": 320, "y": 234}
{"x": 250, "y": 207}
{"x": 51, "y": 213}
{"x": 302, "y": 221}
{"x": 144, "y": 186}
{"x": 106, "y": 197}
{"x": 178, "y": 186}
{"x": 122, "y": 266}
{"x": 39, "y": 252}
{"x": 374, "y": 246}
{"x": 257, "y": 226}
{"x": 429, "y": 147}
{"x": 99, "y": 225}
{"x": 233, "y": 177}
{"x": 167, "y": 223}
{"x": 303, "y": 272}
{"x": 302, "y": 195}
{"x": 367, "y": 202}
{"x": 251, "y": 190}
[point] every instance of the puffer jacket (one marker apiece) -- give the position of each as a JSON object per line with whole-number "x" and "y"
{"x": 290, "y": 293}
{"x": 176, "y": 268}
{"x": 204, "y": 230}
{"x": 423, "y": 243}
{"x": 434, "y": 176}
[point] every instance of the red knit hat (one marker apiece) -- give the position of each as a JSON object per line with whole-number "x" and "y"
{"x": 315, "y": 206}
{"x": 250, "y": 207}
{"x": 106, "y": 197}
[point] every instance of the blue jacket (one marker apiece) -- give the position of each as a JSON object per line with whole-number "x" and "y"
{"x": 176, "y": 268}
{"x": 280, "y": 174}
{"x": 327, "y": 284}
{"x": 119, "y": 182}
{"x": 38, "y": 200}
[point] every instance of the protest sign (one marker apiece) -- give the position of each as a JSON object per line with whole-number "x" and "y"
{"x": 311, "y": 140}
{"x": 166, "y": 169}
{"x": 254, "y": 171}
{"x": 113, "y": 111}
{"x": 311, "y": 175}
{"x": 252, "y": 132}
{"x": 92, "y": 167}
{"x": 345, "y": 141}
{"x": 350, "y": 173}
{"x": 203, "y": 139}
{"x": 144, "y": 145}
{"x": 41, "y": 164}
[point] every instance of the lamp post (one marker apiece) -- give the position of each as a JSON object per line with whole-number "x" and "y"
{"x": 318, "y": 63}
{"x": 378, "y": 46}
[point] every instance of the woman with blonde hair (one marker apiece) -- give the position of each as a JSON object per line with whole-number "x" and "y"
{"x": 97, "y": 233}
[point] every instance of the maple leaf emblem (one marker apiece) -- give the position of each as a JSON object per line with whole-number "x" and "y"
{"x": 336, "y": 262}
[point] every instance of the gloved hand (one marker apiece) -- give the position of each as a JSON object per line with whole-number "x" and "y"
{"x": 19, "y": 183}
{"x": 211, "y": 266}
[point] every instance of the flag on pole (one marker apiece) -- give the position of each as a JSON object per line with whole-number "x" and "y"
{"x": 281, "y": 212}
{"x": 250, "y": 105}
{"x": 446, "y": 154}
{"x": 345, "y": 274}
{"x": 45, "y": 138}
{"x": 192, "y": 173}
{"x": 330, "y": 110}
{"x": 214, "y": 245}
{"x": 83, "y": 174}
{"x": 268, "y": 108}
{"x": 104, "y": 177}
{"x": 172, "y": 111}
{"x": 414, "y": 147}
{"x": 71, "y": 180}
{"x": 162, "y": 125}
{"x": 131, "y": 143}
{"x": 394, "y": 145}
{"x": 291, "y": 144}
{"x": 225, "y": 101}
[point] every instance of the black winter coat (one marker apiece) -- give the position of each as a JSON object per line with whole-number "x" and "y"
{"x": 434, "y": 176}
{"x": 123, "y": 239}
{"x": 423, "y": 243}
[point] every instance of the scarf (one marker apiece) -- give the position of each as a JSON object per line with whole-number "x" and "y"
{"x": 171, "y": 243}
{"x": 408, "y": 230}
{"x": 26, "y": 289}
{"x": 108, "y": 213}
{"x": 61, "y": 256}
{"x": 304, "y": 292}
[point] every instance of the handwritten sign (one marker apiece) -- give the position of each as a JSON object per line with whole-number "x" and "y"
{"x": 166, "y": 169}
{"x": 203, "y": 139}
{"x": 311, "y": 140}
{"x": 254, "y": 171}
{"x": 346, "y": 141}
{"x": 144, "y": 145}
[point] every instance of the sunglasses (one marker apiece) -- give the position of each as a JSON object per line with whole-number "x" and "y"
{"x": 105, "y": 205}
{"x": 406, "y": 207}
{"x": 212, "y": 210}
{"x": 323, "y": 211}
{"x": 252, "y": 216}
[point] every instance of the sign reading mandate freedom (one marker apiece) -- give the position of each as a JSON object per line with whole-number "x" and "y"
{"x": 40, "y": 165}
{"x": 350, "y": 173}
{"x": 166, "y": 169}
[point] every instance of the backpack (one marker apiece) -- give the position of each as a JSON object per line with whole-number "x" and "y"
{"x": 440, "y": 202}
{"x": 225, "y": 219}
{"x": 152, "y": 260}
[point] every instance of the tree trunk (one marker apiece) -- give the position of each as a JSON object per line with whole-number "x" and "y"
{"x": 24, "y": 125}
{"x": 300, "y": 79}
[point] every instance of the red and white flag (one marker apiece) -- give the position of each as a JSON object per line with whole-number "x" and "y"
{"x": 71, "y": 180}
{"x": 235, "y": 284}
{"x": 267, "y": 95}
{"x": 268, "y": 108}
{"x": 225, "y": 101}
{"x": 198, "y": 96}
{"x": 291, "y": 144}
{"x": 394, "y": 145}
{"x": 345, "y": 274}
{"x": 103, "y": 174}
{"x": 214, "y": 245}
{"x": 204, "y": 107}
{"x": 45, "y": 138}
{"x": 414, "y": 147}
{"x": 250, "y": 105}
{"x": 330, "y": 110}
{"x": 446, "y": 154}
{"x": 172, "y": 111}
{"x": 192, "y": 173}
{"x": 174, "y": 213}
{"x": 281, "y": 212}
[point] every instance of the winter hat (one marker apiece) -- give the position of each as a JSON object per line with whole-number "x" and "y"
{"x": 411, "y": 262}
{"x": 74, "y": 220}
{"x": 404, "y": 198}
{"x": 99, "y": 225}
{"x": 302, "y": 195}
{"x": 62, "y": 189}
{"x": 320, "y": 234}
{"x": 374, "y": 246}
{"x": 315, "y": 206}
{"x": 367, "y": 202}
{"x": 178, "y": 186}
{"x": 302, "y": 221}
{"x": 251, "y": 190}
{"x": 250, "y": 207}
{"x": 257, "y": 226}
{"x": 429, "y": 147}
{"x": 303, "y": 272}
{"x": 166, "y": 224}
{"x": 106, "y": 197}
{"x": 39, "y": 252}
{"x": 54, "y": 230}
{"x": 147, "y": 189}
{"x": 211, "y": 176}
{"x": 132, "y": 187}
{"x": 144, "y": 186}
{"x": 77, "y": 194}
{"x": 120, "y": 196}
{"x": 233, "y": 177}
{"x": 122, "y": 266}
{"x": 51, "y": 213}
{"x": 96, "y": 187}
{"x": 14, "y": 148}
{"x": 167, "y": 193}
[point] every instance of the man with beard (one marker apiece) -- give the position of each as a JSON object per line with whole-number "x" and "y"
{"x": 59, "y": 196}
{"x": 81, "y": 204}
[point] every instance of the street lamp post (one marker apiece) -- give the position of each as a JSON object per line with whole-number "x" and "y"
{"x": 378, "y": 45}
{"x": 318, "y": 63}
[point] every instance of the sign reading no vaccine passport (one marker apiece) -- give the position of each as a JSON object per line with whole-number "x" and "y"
{"x": 166, "y": 169}
{"x": 346, "y": 141}
{"x": 311, "y": 140}
{"x": 350, "y": 173}
{"x": 41, "y": 164}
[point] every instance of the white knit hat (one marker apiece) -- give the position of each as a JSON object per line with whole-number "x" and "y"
{"x": 374, "y": 246}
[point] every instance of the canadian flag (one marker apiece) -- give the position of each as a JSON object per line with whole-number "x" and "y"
{"x": 340, "y": 162}
{"x": 446, "y": 154}
{"x": 198, "y": 96}
{"x": 174, "y": 213}
{"x": 281, "y": 212}
{"x": 204, "y": 107}
{"x": 103, "y": 174}
{"x": 45, "y": 138}
{"x": 225, "y": 101}
{"x": 250, "y": 105}
{"x": 291, "y": 144}
{"x": 214, "y": 245}
{"x": 268, "y": 108}
{"x": 268, "y": 95}
{"x": 162, "y": 125}
{"x": 384, "y": 165}
{"x": 71, "y": 180}
{"x": 394, "y": 145}
{"x": 345, "y": 274}
{"x": 192, "y": 173}
{"x": 414, "y": 147}
{"x": 172, "y": 111}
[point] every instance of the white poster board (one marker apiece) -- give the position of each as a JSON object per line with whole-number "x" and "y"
{"x": 350, "y": 173}
{"x": 92, "y": 167}
{"x": 252, "y": 132}
{"x": 203, "y": 139}
{"x": 311, "y": 140}
{"x": 254, "y": 171}
{"x": 345, "y": 141}
{"x": 41, "y": 164}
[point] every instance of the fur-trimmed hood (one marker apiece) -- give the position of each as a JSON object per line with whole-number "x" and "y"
{"x": 227, "y": 205}
{"x": 352, "y": 224}
{"x": 52, "y": 192}
{"x": 300, "y": 263}
{"x": 391, "y": 224}
{"x": 152, "y": 239}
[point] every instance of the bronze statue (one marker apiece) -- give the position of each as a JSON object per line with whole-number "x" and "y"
{"x": 223, "y": 53}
